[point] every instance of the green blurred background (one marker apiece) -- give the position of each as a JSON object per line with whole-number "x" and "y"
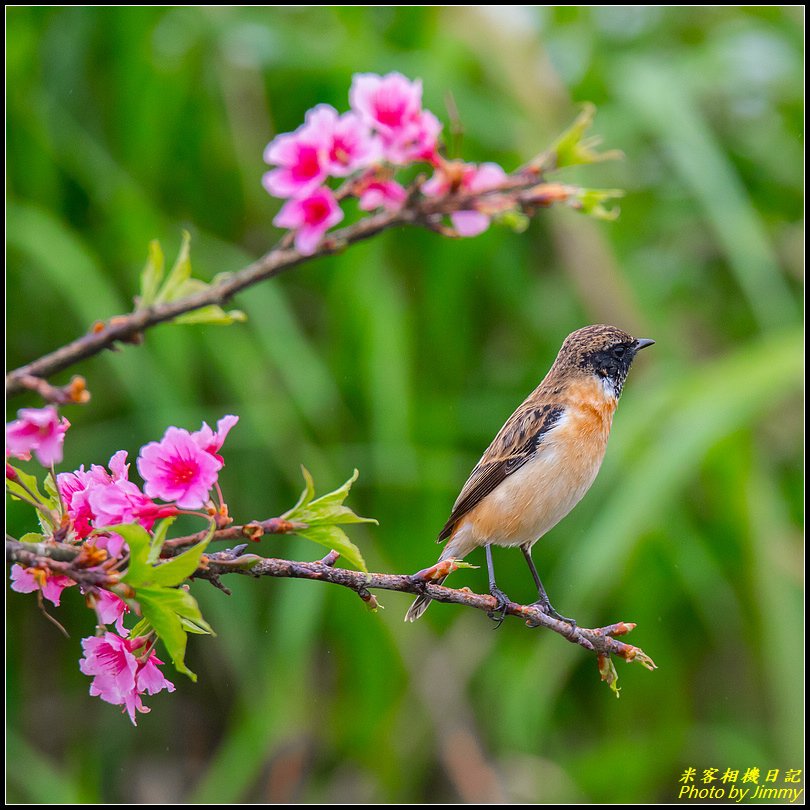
{"x": 403, "y": 357}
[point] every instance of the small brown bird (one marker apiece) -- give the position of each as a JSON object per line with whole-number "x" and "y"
{"x": 544, "y": 459}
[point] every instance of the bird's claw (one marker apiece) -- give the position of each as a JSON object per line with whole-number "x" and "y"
{"x": 546, "y": 607}
{"x": 502, "y": 605}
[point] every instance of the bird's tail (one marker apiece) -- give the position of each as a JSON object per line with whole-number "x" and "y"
{"x": 420, "y": 604}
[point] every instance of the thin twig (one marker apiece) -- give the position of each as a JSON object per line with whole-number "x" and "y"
{"x": 59, "y": 558}
{"x": 250, "y": 531}
{"x": 521, "y": 190}
{"x": 74, "y": 393}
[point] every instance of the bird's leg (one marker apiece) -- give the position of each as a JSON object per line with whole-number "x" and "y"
{"x": 542, "y": 596}
{"x": 499, "y": 614}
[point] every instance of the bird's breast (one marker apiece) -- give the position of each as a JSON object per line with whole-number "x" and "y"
{"x": 546, "y": 488}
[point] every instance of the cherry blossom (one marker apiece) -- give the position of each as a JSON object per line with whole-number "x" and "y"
{"x": 310, "y": 217}
{"x": 120, "y": 677}
{"x": 387, "y": 194}
{"x": 177, "y": 469}
{"x": 110, "y": 609}
{"x": 350, "y": 144}
{"x": 37, "y": 430}
{"x": 303, "y": 160}
{"x": 211, "y": 442}
{"x": 75, "y": 487}
{"x": 465, "y": 178}
{"x": 392, "y": 105}
{"x": 123, "y": 502}
{"x": 28, "y": 580}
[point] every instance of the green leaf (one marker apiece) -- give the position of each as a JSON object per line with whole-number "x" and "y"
{"x": 142, "y": 628}
{"x": 17, "y": 489}
{"x": 589, "y": 201}
{"x": 48, "y": 506}
{"x": 200, "y": 627}
{"x": 180, "y": 284}
{"x": 516, "y": 221}
{"x": 49, "y": 485}
{"x": 165, "y": 609}
{"x": 573, "y": 149}
{"x": 329, "y": 508}
{"x": 178, "y": 275}
{"x": 306, "y": 496}
{"x": 333, "y": 537}
{"x": 174, "y": 571}
{"x": 158, "y": 539}
{"x": 461, "y": 564}
{"x": 139, "y": 571}
{"x": 607, "y": 671}
{"x": 152, "y": 275}
{"x": 170, "y": 611}
{"x": 322, "y": 515}
{"x": 212, "y": 314}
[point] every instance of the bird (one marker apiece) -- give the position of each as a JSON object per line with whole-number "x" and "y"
{"x": 543, "y": 460}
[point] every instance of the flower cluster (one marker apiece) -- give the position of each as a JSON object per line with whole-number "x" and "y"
{"x": 465, "y": 178}
{"x": 385, "y": 129}
{"x": 181, "y": 469}
{"x": 122, "y": 671}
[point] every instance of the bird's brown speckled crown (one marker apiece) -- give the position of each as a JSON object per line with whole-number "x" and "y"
{"x": 601, "y": 351}
{"x": 589, "y": 339}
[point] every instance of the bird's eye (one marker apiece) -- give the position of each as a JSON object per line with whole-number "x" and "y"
{"x": 618, "y": 352}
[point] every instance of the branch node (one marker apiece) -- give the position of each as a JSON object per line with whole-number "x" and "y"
{"x": 217, "y": 583}
{"x": 331, "y": 558}
{"x": 74, "y": 393}
{"x": 253, "y": 532}
{"x": 370, "y": 600}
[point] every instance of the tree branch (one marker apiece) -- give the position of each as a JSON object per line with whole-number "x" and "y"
{"x": 249, "y": 531}
{"x": 523, "y": 191}
{"x": 65, "y": 559}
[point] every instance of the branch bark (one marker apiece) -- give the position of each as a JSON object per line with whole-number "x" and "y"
{"x": 522, "y": 190}
{"x": 602, "y": 640}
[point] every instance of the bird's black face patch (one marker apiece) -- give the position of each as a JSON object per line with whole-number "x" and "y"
{"x": 611, "y": 364}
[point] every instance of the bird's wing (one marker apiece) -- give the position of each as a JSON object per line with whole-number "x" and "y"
{"x": 518, "y": 441}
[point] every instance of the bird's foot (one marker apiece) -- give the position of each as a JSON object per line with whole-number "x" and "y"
{"x": 546, "y": 607}
{"x": 502, "y": 604}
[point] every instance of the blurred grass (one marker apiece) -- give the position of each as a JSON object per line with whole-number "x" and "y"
{"x": 402, "y": 357}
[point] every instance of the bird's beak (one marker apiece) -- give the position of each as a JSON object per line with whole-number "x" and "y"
{"x": 642, "y": 343}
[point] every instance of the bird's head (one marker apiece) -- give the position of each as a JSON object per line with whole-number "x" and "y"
{"x": 605, "y": 352}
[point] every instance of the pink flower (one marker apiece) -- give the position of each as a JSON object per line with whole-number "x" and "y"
{"x": 113, "y": 544}
{"x": 310, "y": 217}
{"x": 418, "y": 141}
{"x": 39, "y": 430}
{"x": 122, "y": 502}
{"x": 350, "y": 144}
{"x": 392, "y": 105}
{"x": 177, "y": 469}
{"x": 211, "y": 442}
{"x": 465, "y": 178}
{"x": 120, "y": 677}
{"x": 387, "y": 194}
{"x": 75, "y": 488}
{"x": 111, "y": 608}
{"x": 387, "y": 103}
{"x": 303, "y": 160}
{"x": 28, "y": 580}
